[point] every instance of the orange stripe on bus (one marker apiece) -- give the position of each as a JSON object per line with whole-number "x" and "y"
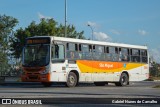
{"x": 101, "y": 66}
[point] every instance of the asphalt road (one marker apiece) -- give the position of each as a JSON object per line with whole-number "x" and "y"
{"x": 90, "y": 91}
{"x": 134, "y": 90}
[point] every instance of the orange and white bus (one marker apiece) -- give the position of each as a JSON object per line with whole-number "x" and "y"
{"x": 48, "y": 59}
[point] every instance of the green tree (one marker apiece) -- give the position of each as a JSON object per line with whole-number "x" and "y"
{"x": 46, "y": 27}
{"x": 155, "y": 70}
{"x": 7, "y": 23}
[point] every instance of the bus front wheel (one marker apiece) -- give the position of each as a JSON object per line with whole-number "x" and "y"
{"x": 72, "y": 80}
{"x": 124, "y": 80}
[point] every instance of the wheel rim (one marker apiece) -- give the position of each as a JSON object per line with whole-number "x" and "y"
{"x": 72, "y": 79}
{"x": 124, "y": 80}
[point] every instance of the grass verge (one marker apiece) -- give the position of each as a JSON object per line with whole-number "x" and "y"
{"x": 157, "y": 86}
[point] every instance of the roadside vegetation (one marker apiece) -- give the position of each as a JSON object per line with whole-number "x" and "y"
{"x": 12, "y": 40}
{"x": 157, "y": 86}
{"x": 154, "y": 71}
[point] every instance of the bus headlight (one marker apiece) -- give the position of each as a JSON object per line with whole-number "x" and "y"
{"x": 45, "y": 71}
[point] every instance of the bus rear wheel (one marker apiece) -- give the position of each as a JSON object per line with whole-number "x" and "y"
{"x": 72, "y": 80}
{"x": 124, "y": 80}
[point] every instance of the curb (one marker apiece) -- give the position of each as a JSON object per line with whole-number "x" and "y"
{"x": 156, "y": 80}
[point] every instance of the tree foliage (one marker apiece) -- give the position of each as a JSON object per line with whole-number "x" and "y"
{"x": 46, "y": 27}
{"x": 155, "y": 70}
{"x": 7, "y": 23}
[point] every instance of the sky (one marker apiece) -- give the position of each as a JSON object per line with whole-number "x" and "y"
{"x": 134, "y": 22}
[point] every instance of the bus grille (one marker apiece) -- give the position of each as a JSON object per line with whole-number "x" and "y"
{"x": 33, "y": 77}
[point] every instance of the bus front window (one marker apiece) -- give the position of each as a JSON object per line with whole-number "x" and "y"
{"x": 36, "y": 55}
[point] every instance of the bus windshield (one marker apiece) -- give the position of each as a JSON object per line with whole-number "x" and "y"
{"x": 36, "y": 55}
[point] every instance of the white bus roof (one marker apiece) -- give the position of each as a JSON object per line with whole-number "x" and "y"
{"x": 73, "y": 40}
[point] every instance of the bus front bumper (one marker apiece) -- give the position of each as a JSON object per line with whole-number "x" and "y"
{"x": 35, "y": 78}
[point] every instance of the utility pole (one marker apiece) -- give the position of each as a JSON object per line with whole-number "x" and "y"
{"x": 91, "y": 29}
{"x": 65, "y": 33}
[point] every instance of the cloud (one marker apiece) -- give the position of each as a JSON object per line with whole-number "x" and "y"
{"x": 115, "y": 32}
{"x": 142, "y": 32}
{"x": 155, "y": 54}
{"x": 43, "y": 17}
{"x": 100, "y": 36}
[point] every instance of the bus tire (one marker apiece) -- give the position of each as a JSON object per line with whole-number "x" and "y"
{"x": 72, "y": 80}
{"x": 100, "y": 83}
{"x": 124, "y": 80}
{"x": 46, "y": 84}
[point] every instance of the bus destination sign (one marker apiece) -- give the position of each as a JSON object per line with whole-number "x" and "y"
{"x": 38, "y": 41}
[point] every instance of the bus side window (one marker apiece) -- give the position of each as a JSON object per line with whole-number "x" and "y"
{"x": 112, "y": 54}
{"x": 130, "y": 51}
{"x": 94, "y": 48}
{"x": 128, "y": 55}
{"x": 80, "y": 48}
{"x": 90, "y": 48}
{"x": 80, "y": 51}
{"x": 120, "y": 54}
{"x": 102, "y": 52}
{"x": 107, "y": 49}
{"x": 76, "y": 47}
{"x": 86, "y": 51}
{"x": 144, "y": 57}
{"x": 98, "y": 52}
{"x": 57, "y": 52}
{"x": 67, "y": 46}
{"x": 90, "y": 52}
{"x": 108, "y": 56}
{"x": 116, "y": 50}
{"x": 123, "y": 54}
{"x": 72, "y": 51}
{"x": 135, "y": 56}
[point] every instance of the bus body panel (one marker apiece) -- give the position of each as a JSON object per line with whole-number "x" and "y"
{"x": 111, "y": 71}
{"x": 58, "y": 73}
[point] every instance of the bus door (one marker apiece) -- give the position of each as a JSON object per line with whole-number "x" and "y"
{"x": 145, "y": 65}
{"x": 135, "y": 65}
{"x": 57, "y": 62}
{"x": 112, "y": 63}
